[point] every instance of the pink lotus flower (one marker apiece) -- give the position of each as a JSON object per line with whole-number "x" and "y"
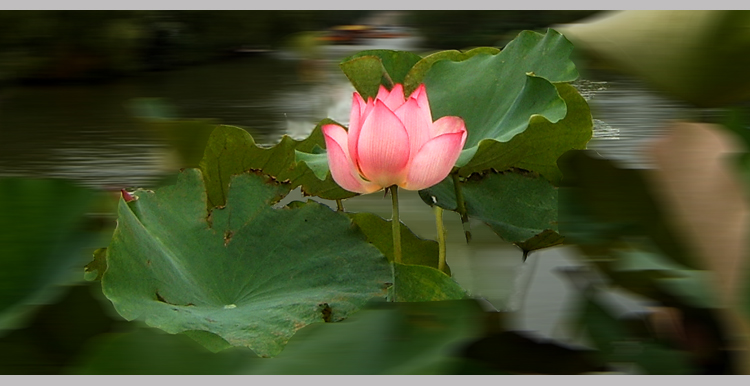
{"x": 392, "y": 140}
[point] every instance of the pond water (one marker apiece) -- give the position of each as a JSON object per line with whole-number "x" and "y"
{"x": 88, "y": 133}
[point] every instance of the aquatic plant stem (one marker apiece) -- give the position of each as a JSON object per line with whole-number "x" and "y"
{"x": 396, "y": 223}
{"x": 440, "y": 236}
{"x": 529, "y": 278}
{"x": 461, "y": 207}
{"x": 339, "y": 206}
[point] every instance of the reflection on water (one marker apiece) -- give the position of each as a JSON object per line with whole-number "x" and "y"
{"x": 87, "y": 133}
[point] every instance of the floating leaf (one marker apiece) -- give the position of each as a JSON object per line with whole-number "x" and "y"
{"x": 251, "y": 274}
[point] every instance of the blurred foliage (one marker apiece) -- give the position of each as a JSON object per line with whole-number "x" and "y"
{"x": 45, "y": 238}
{"x": 462, "y": 29}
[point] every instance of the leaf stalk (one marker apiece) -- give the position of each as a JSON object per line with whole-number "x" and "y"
{"x": 396, "y": 223}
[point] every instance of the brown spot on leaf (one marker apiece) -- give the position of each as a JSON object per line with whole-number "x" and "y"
{"x": 326, "y": 311}
{"x": 161, "y": 299}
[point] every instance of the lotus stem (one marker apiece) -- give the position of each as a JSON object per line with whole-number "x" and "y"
{"x": 461, "y": 207}
{"x": 440, "y": 236}
{"x": 339, "y": 206}
{"x": 396, "y": 223}
{"x": 529, "y": 277}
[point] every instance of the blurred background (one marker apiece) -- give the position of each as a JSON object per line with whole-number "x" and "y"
{"x": 118, "y": 99}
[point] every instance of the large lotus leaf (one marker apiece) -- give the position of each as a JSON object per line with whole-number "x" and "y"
{"x": 416, "y": 75}
{"x": 251, "y": 274}
{"x": 367, "y": 70}
{"x": 232, "y": 150}
{"x": 415, "y": 250}
{"x": 541, "y": 144}
{"x": 497, "y": 95}
{"x": 520, "y": 207}
{"x": 43, "y": 241}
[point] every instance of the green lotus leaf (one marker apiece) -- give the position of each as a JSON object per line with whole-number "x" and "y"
{"x": 232, "y": 150}
{"x": 367, "y": 70}
{"x": 541, "y": 144}
{"x": 416, "y": 75}
{"x": 415, "y": 250}
{"x": 419, "y": 283}
{"x": 520, "y": 207}
{"x": 515, "y": 119}
{"x": 251, "y": 274}
{"x": 498, "y": 95}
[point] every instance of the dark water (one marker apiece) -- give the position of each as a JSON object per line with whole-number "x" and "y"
{"x": 89, "y": 134}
